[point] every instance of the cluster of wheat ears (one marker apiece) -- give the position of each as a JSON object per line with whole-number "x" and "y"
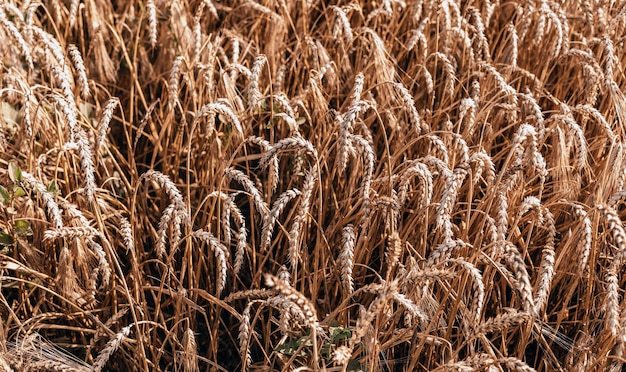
{"x": 298, "y": 185}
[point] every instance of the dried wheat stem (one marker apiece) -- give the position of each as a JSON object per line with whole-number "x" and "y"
{"x": 366, "y": 150}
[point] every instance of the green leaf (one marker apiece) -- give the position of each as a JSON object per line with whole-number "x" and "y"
{"x": 15, "y": 173}
{"x": 6, "y": 239}
{"x": 53, "y": 188}
{"x": 22, "y": 228}
{"x": 339, "y": 333}
{"x": 5, "y": 195}
{"x": 290, "y": 348}
{"x": 18, "y": 191}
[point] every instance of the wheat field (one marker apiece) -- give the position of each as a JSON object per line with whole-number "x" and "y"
{"x": 306, "y": 185}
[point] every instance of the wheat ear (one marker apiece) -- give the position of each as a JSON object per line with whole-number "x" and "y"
{"x": 296, "y": 297}
{"x": 269, "y": 220}
{"x": 300, "y": 219}
{"x": 152, "y": 22}
{"x": 77, "y": 61}
{"x": 110, "y": 348}
{"x": 346, "y": 259}
{"x": 221, "y": 254}
{"x": 250, "y": 187}
{"x": 190, "y": 348}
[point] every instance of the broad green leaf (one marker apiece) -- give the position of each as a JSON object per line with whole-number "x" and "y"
{"x": 18, "y": 191}
{"x": 22, "y": 228}
{"x": 5, "y": 195}
{"x": 53, "y": 188}
{"x": 15, "y": 173}
{"x": 5, "y": 239}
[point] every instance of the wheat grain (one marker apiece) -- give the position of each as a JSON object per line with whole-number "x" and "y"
{"x": 450, "y": 71}
{"x": 273, "y": 165}
{"x": 71, "y": 232}
{"x": 409, "y": 104}
{"x": 614, "y": 224}
{"x": 515, "y": 364}
{"x": 221, "y": 109}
